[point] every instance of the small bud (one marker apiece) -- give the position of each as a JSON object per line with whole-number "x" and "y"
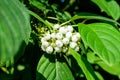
{"x": 48, "y": 36}
{"x": 53, "y": 35}
{"x": 58, "y": 49}
{"x": 77, "y": 48}
{"x": 65, "y": 49}
{"x": 56, "y": 26}
{"x": 20, "y": 67}
{"x": 53, "y": 44}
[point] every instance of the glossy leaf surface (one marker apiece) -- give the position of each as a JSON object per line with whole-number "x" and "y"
{"x": 50, "y": 68}
{"x": 14, "y": 30}
{"x": 111, "y": 7}
{"x": 103, "y": 39}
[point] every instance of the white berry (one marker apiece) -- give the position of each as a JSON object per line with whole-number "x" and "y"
{"x": 68, "y": 34}
{"x": 48, "y": 36}
{"x": 56, "y": 26}
{"x": 62, "y": 30}
{"x": 43, "y": 48}
{"x": 43, "y": 39}
{"x": 73, "y": 45}
{"x": 59, "y": 43}
{"x": 45, "y": 43}
{"x": 49, "y": 49}
{"x": 53, "y": 35}
{"x": 69, "y": 28}
{"x": 60, "y": 39}
{"x": 74, "y": 38}
{"x": 78, "y": 35}
{"x": 59, "y": 36}
{"x": 65, "y": 41}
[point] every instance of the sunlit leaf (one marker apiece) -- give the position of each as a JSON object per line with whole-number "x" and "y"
{"x": 100, "y": 77}
{"x": 48, "y": 24}
{"x": 110, "y": 7}
{"x": 50, "y": 68}
{"x": 90, "y": 56}
{"x": 14, "y": 30}
{"x": 90, "y": 16}
{"x": 114, "y": 69}
{"x": 84, "y": 65}
{"x": 38, "y": 5}
{"x": 103, "y": 39}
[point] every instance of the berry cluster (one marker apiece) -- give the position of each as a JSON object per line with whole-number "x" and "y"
{"x": 60, "y": 39}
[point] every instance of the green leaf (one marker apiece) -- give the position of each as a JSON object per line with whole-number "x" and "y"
{"x": 100, "y": 77}
{"x": 103, "y": 39}
{"x": 90, "y": 57}
{"x": 38, "y": 5}
{"x": 84, "y": 65}
{"x": 51, "y": 68}
{"x": 114, "y": 69}
{"x": 89, "y": 16}
{"x": 110, "y": 7}
{"x": 14, "y": 30}
{"x": 48, "y": 24}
